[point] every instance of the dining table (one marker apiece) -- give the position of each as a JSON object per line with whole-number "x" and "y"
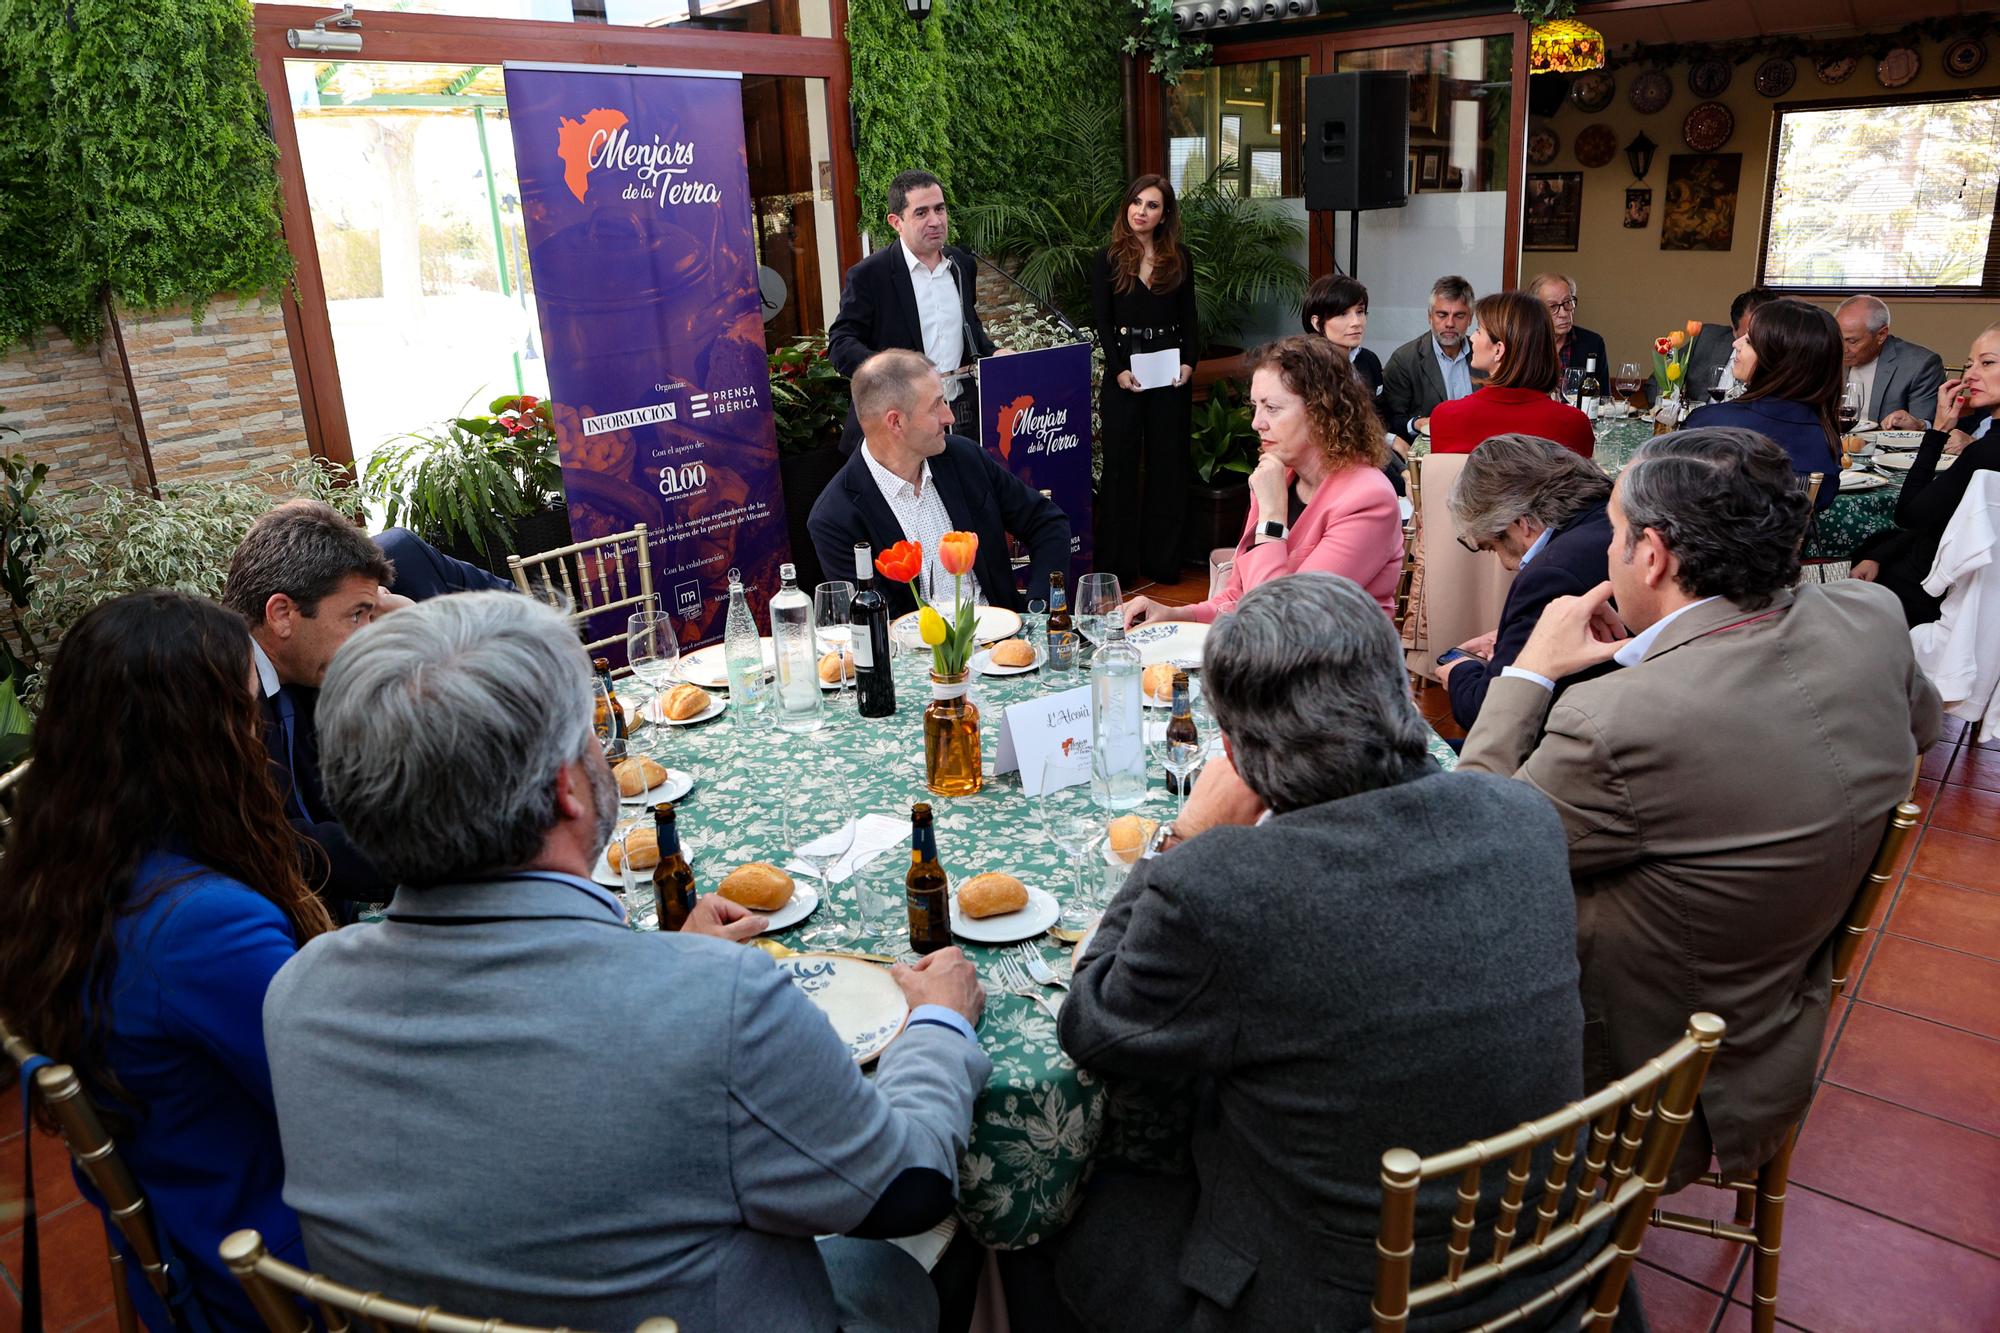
{"x": 1041, "y": 1120}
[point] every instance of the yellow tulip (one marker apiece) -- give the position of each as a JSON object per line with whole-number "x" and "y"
{"x": 930, "y": 627}
{"x": 1673, "y": 373}
{"x": 1677, "y": 339}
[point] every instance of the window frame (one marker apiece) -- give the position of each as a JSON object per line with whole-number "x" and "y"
{"x": 1989, "y": 281}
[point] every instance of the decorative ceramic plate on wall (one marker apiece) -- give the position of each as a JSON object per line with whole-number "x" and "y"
{"x": 1542, "y": 145}
{"x": 1898, "y": 67}
{"x": 1708, "y": 127}
{"x": 1651, "y": 91}
{"x": 1965, "y": 57}
{"x": 1832, "y": 70}
{"x": 1708, "y": 77}
{"x": 1596, "y": 145}
{"x": 1594, "y": 91}
{"x": 1776, "y": 76}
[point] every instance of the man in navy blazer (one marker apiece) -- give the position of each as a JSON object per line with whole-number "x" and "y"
{"x": 1540, "y": 509}
{"x": 918, "y": 294}
{"x": 1575, "y": 345}
{"x": 913, "y": 482}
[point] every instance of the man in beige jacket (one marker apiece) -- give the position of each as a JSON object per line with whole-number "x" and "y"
{"x": 1725, "y": 792}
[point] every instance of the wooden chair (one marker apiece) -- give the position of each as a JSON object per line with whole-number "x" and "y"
{"x": 1759, "y": 1220}
{"x": 274, "y": 1287}
{"x": 1628, "y": 1132}
{"x": 1407, "y": 574}
{"x": 591, "y": 578}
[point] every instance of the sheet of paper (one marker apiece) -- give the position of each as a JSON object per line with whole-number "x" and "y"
{"x": 1034, "y": 729}
{"x": 1157, "y": 370}
{"x": 873, "y": 835}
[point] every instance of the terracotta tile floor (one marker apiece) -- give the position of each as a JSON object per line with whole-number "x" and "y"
{"x": 1891, "y": 1223}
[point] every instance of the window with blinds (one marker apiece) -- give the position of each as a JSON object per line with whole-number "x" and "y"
{"x": 1886, "y": 197}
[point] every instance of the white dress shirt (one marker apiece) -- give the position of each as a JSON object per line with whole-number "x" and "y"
{"x": 1630, "y": 654}
{"x": 942, "y": 316}
{"x": 920, "y": 510}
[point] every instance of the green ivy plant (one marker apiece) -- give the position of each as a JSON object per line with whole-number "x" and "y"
{"x": 24, "y": 541}
{"x": 809, "y": 398}
{"x": 473, "y": 479}
{"x": 1221, "y": 440}
{"x": 136, "y": 162}
{"x": 1156, "y": 36}
{"x": 1537, "y": 12}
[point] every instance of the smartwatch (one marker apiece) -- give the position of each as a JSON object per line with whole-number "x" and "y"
{"x": 1273, "y": 529}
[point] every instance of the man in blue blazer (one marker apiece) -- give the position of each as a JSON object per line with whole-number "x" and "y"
{"x": 1540, "y": 509}
{"x": 918, "y": 294}
{"x": 570, "y": 1122}
{"x": 1576, "y": 346}
{"x": 913, "y": 482}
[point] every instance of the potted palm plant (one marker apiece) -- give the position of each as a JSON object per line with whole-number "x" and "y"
{"x": 1223, "y": 445}
{"x": 809, "y": 401}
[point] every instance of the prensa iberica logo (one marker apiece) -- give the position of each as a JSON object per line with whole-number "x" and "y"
{"x": 660, "y": 169}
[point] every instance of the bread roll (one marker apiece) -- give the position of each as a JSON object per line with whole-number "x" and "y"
{"x": 637, "y": 775}
{"x": 1013, "y": 653}
{"x": 1159, "y": 680}
{"x": 992, "y": 894}
{"x": 645, "y": 847}
{"x": 759, "y": 886}
{"x": 834, "y": 666}
{"x": 1129, "y": 836}
{"x": 683, "y": 702}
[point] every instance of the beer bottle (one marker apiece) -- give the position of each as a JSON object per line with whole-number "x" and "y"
{"x": 929, "y": 891}
{"x": 874, "y": 687}
{"x": 1181, "y": 728}
{"x": 673, "y": 878}
{"x": 1062, "y": 630}
{"x": 609, "y": 718}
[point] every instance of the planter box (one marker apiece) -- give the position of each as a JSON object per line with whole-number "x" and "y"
{"x": 1215, "y": 516}
{"x": 803, "y": 477}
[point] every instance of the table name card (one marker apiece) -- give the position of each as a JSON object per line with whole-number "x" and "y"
{"x": 1033, "y": 730}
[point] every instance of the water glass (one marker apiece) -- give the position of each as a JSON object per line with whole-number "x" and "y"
{"x": 834, "y": 632}
{"x": 1097, "y": 600}
{"x": 642, "y": 908}
{"x": 652, "y": 648}
{"x": 1181, "y": 758}
{"x": 819, "y": 830}
{"x": 1071, "y": 820}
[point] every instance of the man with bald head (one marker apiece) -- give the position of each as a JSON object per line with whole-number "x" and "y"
{"x": 1898, "y": 380}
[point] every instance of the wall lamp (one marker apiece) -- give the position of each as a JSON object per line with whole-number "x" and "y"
{"x": 317, "y": 38}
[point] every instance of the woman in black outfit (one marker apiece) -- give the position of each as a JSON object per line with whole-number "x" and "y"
{"x": 1142, "y": 289}
{"x": 1336, "y": 308}
{"x": 1901, "y": 558}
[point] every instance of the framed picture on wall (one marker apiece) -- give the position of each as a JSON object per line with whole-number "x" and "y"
{"x": 1553, "y": 211}
{"x": 1430, "y": 168}
{"x": 1700, "y": 211}
{"x": 1423, "y": 102}
{"x": 1638, "y": 208}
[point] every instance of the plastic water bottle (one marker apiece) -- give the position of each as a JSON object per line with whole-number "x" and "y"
{"x": 1117, "y": 723}
{"x": 798, "y": 659}
{"x": 742, "y": 655}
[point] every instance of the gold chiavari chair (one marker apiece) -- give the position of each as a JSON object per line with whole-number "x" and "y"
{"x": 1628, "y": 1132}
{"x": 591, "y": 578}
{"x": 1759, "y": 1219}
{"x": 1406, "y": 576}
{"x": 274, "y": 1287}
{"x": 8, "y": 782}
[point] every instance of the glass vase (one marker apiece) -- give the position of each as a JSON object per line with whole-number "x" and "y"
{"x": 951, "y": 738}
{"x": 1667, "y": 418}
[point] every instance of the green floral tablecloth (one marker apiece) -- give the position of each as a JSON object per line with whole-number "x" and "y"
{"x": 1041, "y": 1118}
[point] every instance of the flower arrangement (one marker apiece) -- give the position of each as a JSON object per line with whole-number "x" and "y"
{"x": 949, "y": 639}
{"x": 1670, "y": 358}
{"x": 475, "y": 477}
{"x": 809, "y": 397}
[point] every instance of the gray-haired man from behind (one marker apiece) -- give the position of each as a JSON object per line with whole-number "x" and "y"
{"x": 566, "y": 1121}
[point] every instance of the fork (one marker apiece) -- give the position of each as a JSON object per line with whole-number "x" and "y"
{"x": 1015, "y": 982}
{"x": 1037, "y": 966}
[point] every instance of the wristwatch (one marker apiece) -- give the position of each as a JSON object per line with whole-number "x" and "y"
{"x": 1272, "y": 529}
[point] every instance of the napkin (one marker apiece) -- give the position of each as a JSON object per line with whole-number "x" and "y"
{"x": 873, "y": 835}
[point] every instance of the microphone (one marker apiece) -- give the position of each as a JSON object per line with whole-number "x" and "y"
{"x": 1040, "y": 300}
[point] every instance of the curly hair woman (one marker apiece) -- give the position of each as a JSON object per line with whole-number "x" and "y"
{"x": 150, "y": 889}
{"x": 1318, "y": 499}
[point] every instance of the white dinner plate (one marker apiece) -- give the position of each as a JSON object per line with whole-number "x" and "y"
{"x": 800, "y": 906}
{"x": 716, "y": 703}
{"x": 1895, "y": 439}
{"x": 1040, "y": 913}
{"x": 1855, "y": 482}
{"x": 678, "y": 784}
{"x": 988, "y": 623}
{"x": 982, "y": 662}
{"x": 1904, "y": 462}
{"x": 705, "y": 666}
{"x": 860, "y": 999}
{"x": 1169, "y": 641}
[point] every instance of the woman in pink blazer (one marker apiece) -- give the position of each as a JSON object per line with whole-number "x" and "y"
{"x": 1318, "y": 498}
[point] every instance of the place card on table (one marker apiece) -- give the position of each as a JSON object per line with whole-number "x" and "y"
{"x": 1036, "y": 728}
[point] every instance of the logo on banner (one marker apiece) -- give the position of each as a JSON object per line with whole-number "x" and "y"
{"x": 659, "y": 169}
{"x": 637, "y": 416}
{"x": 721, "y": 402}
{"x": 687, "y": 598}
{"x": 686, "y": 479}
{"x": 1030, "y": 432}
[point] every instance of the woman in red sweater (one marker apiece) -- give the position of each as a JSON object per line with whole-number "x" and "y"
{"x": 1514, "y": 343}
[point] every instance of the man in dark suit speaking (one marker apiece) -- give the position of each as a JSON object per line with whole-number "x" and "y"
{"x": 911, "y": 481}
{"x": 917, "y": 294}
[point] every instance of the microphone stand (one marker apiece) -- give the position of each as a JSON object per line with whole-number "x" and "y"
{"x": 1039, "y": 299}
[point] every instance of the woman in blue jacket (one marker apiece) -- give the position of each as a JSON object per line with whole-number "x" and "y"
{"x": 150, "y": 889}
{"x": 1790, "y": 362}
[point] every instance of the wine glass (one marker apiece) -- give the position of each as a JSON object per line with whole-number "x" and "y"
{"x": 1572, "y": 384}
{"x": 652, "y": 649}
{"x": 819, "y": 828}
{"x": 833, "y": 629}
{"x": 1627, "y": 383}
{"x": 1071, "y": 820}
{"x": 1180, "y": 758}
{"x": 642, "y": 908}
{"x": 1097, "y": 600}
{"x": 1849, "y": 415}
{"x": 1725, "y": 379}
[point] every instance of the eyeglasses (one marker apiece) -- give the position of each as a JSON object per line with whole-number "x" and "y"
{"x": 1558, "y": 307}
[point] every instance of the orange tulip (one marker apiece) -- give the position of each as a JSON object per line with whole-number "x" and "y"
{"x": 1694, "y": 328}
{"x": 956, "y": 551}
{"x": 1677, "y": 340}
{"x": 901, "y": 562}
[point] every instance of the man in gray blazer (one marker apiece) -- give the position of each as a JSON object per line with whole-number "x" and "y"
{"x": 1432, "y": 368}
{"x": 504, "y": 1101}
{"x": 1898, "y": 380}
{"x": 1386, "y": 960}
{"x": 1724, "y": 793}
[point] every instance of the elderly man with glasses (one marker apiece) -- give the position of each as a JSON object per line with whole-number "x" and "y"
{"x": 1575, "y": 344}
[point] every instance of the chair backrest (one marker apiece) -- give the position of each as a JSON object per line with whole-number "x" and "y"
{"x": 1406, "y": 575}
{"x": 1629, "y": 1132}
{"x": 591, "y": 578}
{"x": 273, "y": 1286}
{"x": 1853, "y": 931}
{"x": 1461, "y": 594}
{"x": 8, "y": 782}
{"x": 1814, "y": 480}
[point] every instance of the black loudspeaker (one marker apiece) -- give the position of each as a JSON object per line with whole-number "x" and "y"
{"x": 1358, "y": 140}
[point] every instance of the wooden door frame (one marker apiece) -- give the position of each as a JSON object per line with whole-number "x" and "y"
{"x": 458, "y": 40}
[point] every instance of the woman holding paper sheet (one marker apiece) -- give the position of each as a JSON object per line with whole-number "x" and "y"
{"x": 1142, "y": 289}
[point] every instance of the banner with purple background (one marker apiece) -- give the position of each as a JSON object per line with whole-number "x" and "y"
{"x": 1035, "y": 418}
{"x": 636, "y": 198}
